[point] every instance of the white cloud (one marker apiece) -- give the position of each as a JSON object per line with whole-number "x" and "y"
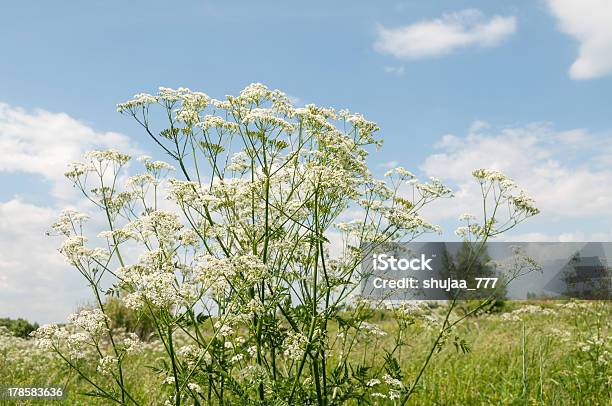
{"x": 571, "y": 236}
{"x": 296, "y": 101}
{"x": 394, "y": 70}
{"x": 478, "y": 125}
{"x": 590, "y": 23}
{"x": 443, "y": 35}
{"x": 44, "y": 143}
{"x": 35, "y": 282}
{"x": 566, "y": 179}
{"x": 389, "y": 164}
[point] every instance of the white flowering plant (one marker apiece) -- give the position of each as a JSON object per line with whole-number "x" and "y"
{"x": 228, "y": 250}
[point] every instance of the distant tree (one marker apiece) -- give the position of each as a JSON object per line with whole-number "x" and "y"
{"x": 123, "y": 317}
{"x": 470, "y": 263}
{"x": 19, "y": 327}
{"x": 587, "y": 277}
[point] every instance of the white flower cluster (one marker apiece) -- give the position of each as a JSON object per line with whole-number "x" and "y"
{"x": 131, "y": 344}
{"x": 240, "y": 162}
{"x": 401, "y": 172}
{"x": 523, "y": 204}
{"x": 253, "y": 94}
{"x": 191, "y": 354}
{"x": 498, "y": 190}
{"x": 141, "y": 182}
{"x": 69, "y": 222}
{"x": 315, "y": 119}
{"x": 406, "y": 219}
{"x": 433, "y": 189}
{"x": 164, "y": 225}
{"x": 118, "y": 236}
{"x": 365, "y": 127}
{"x": 395, "y": 386}
{"x": 139, "y": 100}
{"x": 254, "y": 374}
{"x": 563, "y": 335}
{"x": 214, "y": 271}
{"x": 389, "y": 380}
{"x": 467, "y": 217}
{"x": 267, "y": 117}
{"x": 572, "y": 305}
{"x": 169, "y": 380}
{"x": 470, "y": 230}
{"x": 353, "y": 226}
{"x": 227, "y": 326}
{"x": 295, "y": 344}
{"x": 106, "y": 365}
{"x": 74, "y": 251}
{"x": 49, "y": 335}
{"x": 516, "y": 315}
{"x": 92, "y": 321}
{"x": 256, "y": 94}
{"x": 191, "y": 194}
{"x": 107, "y": 155}
{"x": 331, "y": 177}
{"x": 77, "y": 169}
{"x": 155, "y": 167}
{"x": 194, "y": 387}
{"x": 191, "y": 100}
{"x": 79, "y": 337}
{"x": 371, "y": 330}
{"x": 148, "y": 286}
{"x": 210, "y": 121}
{"x": 599, "y": 347}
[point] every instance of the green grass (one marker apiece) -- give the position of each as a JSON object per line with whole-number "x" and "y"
{"x": 542, "y": 358}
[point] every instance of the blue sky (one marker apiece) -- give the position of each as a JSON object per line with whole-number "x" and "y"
{"x": 523, "y": 86}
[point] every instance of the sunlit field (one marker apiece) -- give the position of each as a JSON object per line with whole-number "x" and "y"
{"x": 553, "y": 353}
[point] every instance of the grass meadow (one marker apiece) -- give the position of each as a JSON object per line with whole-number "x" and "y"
{"x": 525, "y": 353}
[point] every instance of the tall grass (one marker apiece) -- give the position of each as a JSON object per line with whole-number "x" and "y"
{"x": 546, "y": 353}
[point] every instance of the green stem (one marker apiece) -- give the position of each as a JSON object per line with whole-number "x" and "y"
{"x": 174, "y": 370}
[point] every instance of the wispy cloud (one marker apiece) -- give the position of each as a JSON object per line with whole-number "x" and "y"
{"x": 440, "y": 36}
{"x": 389, "y": 164}
{"x": 570, "y": 185}
{"x": 296, "y": 101}
{"x": 35, "y": 281}
{"x": 44, "y": 143}
{"x": 590, "y": 23}
{"x": 394, "y": 70}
